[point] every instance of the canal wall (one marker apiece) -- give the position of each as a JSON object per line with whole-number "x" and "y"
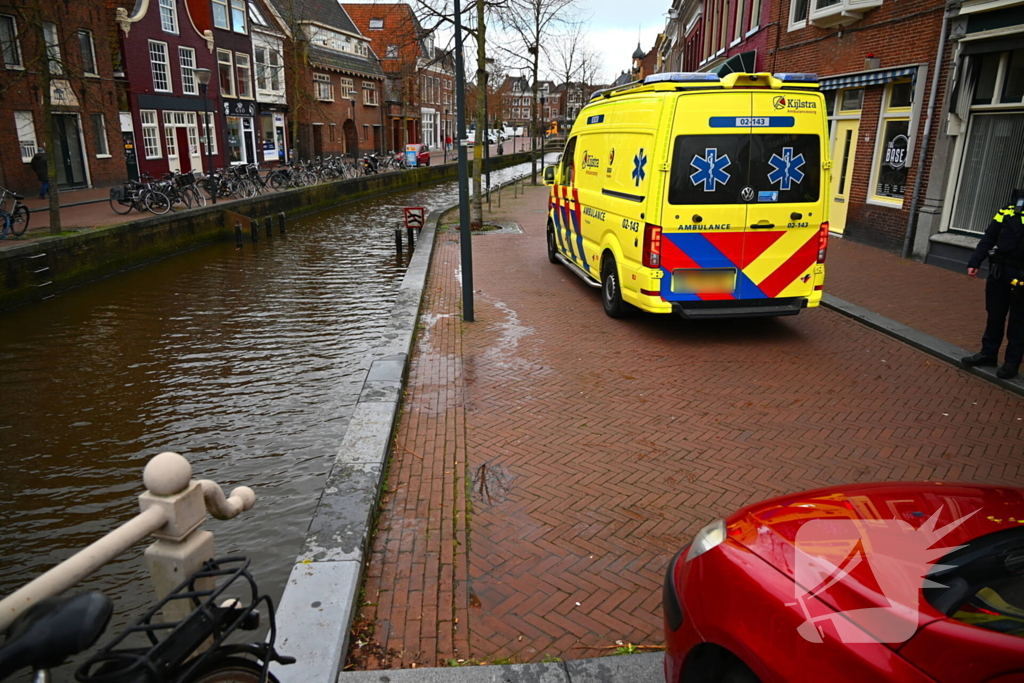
{"x": 37, "y": 270}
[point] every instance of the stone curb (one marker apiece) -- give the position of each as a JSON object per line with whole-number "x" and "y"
{"x": 319, "y": 600}
{"x": 640, "y": 668}
{"x": 942, "y": 350}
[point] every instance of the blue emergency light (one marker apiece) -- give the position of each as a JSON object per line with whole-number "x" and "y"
{"x": 797, "y": 78}
{"x": 682, "y": 77}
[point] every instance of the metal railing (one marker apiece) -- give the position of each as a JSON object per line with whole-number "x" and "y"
{"x": 173, "y": 508}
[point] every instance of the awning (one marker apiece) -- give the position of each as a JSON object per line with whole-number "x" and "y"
{"x": 859, "y": 80}
{"x": 742, "y": 63}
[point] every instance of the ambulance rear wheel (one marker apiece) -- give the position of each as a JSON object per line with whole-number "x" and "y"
{"x": 611, "y": 291}
{"x": 552, "y": 248}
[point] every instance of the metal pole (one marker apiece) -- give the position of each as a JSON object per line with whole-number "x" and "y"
{"x": 487, "y": 145}
{"x": 210, "y": 183}
{"x": 466, "y": 236}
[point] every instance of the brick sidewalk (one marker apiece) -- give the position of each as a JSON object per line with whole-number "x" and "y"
{"x": 549, "y": 460}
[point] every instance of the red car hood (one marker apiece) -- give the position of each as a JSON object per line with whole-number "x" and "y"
{"x": 880, "y": 539}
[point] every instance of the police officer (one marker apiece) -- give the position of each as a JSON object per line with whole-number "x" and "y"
{"x": 1003, "y": 245}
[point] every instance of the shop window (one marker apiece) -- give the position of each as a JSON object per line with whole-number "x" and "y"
{"x": 889, "y": 171}
{"x": 187, "y": 61}
{"x": 220, "y": 13}
{"x": 225, "y": 69}
{"x": 158, "y": 63}
{"x": 26, "y": 135}
{"x": 88, "y": 52}
{"x": 243, "y": 75}
{"x": 234, "y": 135}
{"x": 99, "y": 128}
{"x": 209, "y": 125}
{"x": 169, "y": 16}
{"x": 150, "y": 134}
{"x": 9, "y": 45}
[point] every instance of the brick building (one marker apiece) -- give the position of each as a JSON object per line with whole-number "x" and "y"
{"x": 517, "y": 102}
{"x": 420, "y": 77}
{"x": 335, "y": 82}
{"x": 86, "y": 144}
{"x": 715, "y": 35}
{"x": 165, "y": 118}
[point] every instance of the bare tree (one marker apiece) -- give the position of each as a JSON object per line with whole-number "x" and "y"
{"x": 533, "y": 24}
{"x": 574, "y": 64}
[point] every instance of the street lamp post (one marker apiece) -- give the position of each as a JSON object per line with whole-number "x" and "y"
{"x": 465, "y": 236}
{"x": 203, "y": 76}
{"x": 352, "y": 95}
{"x": 488, "y": 67}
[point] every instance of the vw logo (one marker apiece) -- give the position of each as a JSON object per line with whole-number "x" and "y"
{"x": 747, "y": 194}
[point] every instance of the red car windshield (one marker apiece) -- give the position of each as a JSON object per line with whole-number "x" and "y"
{"x": 984, "y": 585}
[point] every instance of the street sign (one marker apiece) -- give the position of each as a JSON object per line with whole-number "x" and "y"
{"x": 414, "y": 217}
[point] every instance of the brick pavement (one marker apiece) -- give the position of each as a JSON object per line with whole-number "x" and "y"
{"x": 549, "y": 460}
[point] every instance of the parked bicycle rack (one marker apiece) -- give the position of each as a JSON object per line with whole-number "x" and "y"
{"x": 173, "y": 508}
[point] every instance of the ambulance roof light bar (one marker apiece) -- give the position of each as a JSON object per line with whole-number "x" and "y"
{"x": 797, "y": 77}
{"x": 682, "y": 77}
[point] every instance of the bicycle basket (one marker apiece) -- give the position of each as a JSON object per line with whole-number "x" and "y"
{"x": 176, "y": 649}
{"x": 185, "y": 179}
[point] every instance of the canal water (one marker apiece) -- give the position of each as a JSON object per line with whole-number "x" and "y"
{"x": 247, "y": 362}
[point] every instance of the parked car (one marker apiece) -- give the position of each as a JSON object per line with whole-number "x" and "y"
{"x": 830, "y": 585}
{"x": 421, "y": 151}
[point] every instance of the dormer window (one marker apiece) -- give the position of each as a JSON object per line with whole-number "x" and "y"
{"x": 376, "y": 24}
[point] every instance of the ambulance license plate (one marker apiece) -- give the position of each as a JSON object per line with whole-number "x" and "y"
{"x": 704, "y": 281}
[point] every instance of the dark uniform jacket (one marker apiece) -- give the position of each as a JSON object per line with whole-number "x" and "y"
{"x": 39, "y": 166}
{"x": 1003, "y": 245}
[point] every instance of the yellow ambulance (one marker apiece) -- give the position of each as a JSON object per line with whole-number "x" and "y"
{"x": 696, "y": 194}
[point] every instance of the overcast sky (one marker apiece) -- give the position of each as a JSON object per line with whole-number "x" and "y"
{"x": 614, "y": 26}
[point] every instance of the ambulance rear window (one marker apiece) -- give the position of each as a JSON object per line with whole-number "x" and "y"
{"x": 715, "y": 169}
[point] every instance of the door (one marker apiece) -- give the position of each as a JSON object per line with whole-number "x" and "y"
{"x": 704, "y": 210}
{"x": 318, "y": 141}
{"x": 69, "y": 155}
{"x": 843, "y": 155}
{"x": 181, "y": 137}
{"x": 789, "y": 176}
{"x": 249, "y": 141}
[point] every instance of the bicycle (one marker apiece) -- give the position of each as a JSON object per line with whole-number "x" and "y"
{"x": 140, "y": 196}
{"x": 16, "y": 220}
{"x": 59, "y": 628}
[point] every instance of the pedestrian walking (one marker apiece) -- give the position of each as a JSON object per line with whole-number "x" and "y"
{"x": 42, "y": 171}
{"x": 1003, "y": 246}
{"x": 448, "y": 143}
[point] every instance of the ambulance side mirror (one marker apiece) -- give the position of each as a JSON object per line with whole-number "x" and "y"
{"x": 549, "y": 175}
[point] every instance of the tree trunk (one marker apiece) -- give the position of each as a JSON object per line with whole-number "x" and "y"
{"x": 476, "y": 220}
{"x": 48, "y": 125}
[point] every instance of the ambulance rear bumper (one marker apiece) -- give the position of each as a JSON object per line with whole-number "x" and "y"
{"x": 742, "y": 308}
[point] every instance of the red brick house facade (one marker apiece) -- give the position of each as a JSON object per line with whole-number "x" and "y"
{"x": 87, "y": 142}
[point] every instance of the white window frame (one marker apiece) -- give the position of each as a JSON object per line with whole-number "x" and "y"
{"x": 166, "y": 66}
{"x": 391, "y": 52}
{"x": 755, "y": 17}
{"x": 169, "y": 16}
{"x": 737, "y": 23}
{"x": 239, "y": 7}
{"x": 52, "y": 38}
{"x": 15, "y": 46}
{"x": 102, "y": 143}
{"x": 322, "y": 84}
{"x": 369, "y": 87}
{"x": 248, "y": 75}
{"x": 153, "y": 127}
{"x": 376, "y": 24}
{"x": 797, "y": 24}
{"x": 346, "y": 85}
{"x": 170, "y": 135}
{"x": 223, "y": 4}
{"x": 25, "y": 129}
{"x": 85, "y": 33}
{"x": 885, "y": 115}
{"x": 189, "y": 83}
{"x": 230, "y": 63}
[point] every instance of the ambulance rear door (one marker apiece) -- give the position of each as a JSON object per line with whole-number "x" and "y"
{"x": 704, "y": 215}
{"x": 788, "y": 184}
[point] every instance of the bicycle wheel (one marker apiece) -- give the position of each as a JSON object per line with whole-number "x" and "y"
{"x": 121, "y": 206}
{"x": 232, "y": 670}
{"x": 198, "y": 199}
{"x": 277, "y": 181}
{"x": 19, "y": 220}
{"x": 157, "y": 202}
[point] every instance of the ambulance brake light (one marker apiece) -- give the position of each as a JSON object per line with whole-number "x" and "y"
{"x": 682, "y": 77}
{"x": 652, "y": 246}
{"x": 822, "y": 242}
{"x": 797, "y": 78}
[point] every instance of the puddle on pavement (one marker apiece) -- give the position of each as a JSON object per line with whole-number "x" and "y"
{"x": 491, "y": 484}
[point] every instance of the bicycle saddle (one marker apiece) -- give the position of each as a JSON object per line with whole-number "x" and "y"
{"x": 53, "y": 630}
{"x": 18, "y": 197}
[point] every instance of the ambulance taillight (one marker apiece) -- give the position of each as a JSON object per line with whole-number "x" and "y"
{"x": 822, "y": 242}
{"x": 652, "y": 246}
